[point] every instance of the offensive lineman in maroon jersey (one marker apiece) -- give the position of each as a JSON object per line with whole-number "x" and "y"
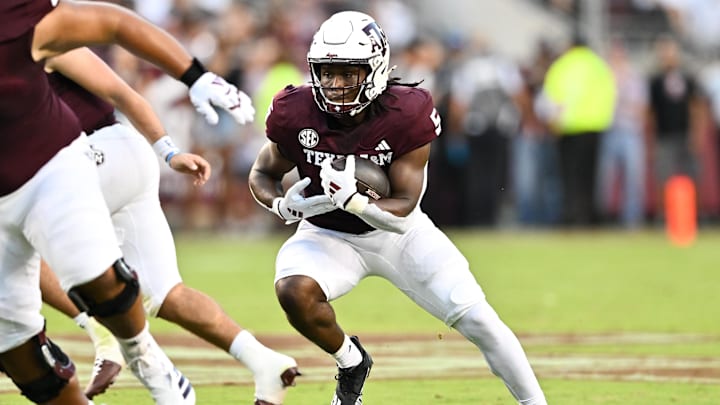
{"x": 129, "y": 177}
{"x": 50, "y": 199}
{"x": 353, "y": 109}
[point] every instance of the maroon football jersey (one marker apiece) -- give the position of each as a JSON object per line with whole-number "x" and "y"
{"x": 92, "y": 111}
{"x": 306, "y": 136}
{"x": 19, "y": 16}
{"x": 34, "y": 123}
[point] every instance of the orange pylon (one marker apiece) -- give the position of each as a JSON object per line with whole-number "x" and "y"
{"x": 680, "y": 210}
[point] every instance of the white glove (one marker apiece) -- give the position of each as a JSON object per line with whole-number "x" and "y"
{"x": 340, "y": 186}
{"x": 294, "y": 206}
{"x": 212, "y": 90}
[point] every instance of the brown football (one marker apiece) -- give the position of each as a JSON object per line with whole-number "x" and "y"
{"x": 371, "y": 178}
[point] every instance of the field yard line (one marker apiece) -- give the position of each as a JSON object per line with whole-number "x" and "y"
{"x": 431, "y": 357}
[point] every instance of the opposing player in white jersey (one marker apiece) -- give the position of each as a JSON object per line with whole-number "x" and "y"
{"x": 51, "y": 204}
{"x": 353, "y": 109}
{"x": 129, "y": 177}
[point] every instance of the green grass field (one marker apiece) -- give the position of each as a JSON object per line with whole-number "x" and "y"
{"x": 605, "y": 317}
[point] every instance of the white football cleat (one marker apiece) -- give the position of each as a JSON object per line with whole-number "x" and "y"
{"x": 167, "y": 385}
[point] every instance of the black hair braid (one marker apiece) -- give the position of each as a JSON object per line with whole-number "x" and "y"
{"x": 379, "y": 106}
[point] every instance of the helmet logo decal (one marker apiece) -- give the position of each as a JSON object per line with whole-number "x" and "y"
{"x": 377, "y": 37}
{"x": 308, "y": 138}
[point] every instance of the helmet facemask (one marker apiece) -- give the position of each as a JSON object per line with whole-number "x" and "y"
{"x": 350, "y": 38}
{"x": 349, "y": 97}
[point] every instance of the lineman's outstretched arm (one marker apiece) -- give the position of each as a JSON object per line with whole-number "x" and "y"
{"x": 73, "y": 24}
{"x": 85, "y": 68}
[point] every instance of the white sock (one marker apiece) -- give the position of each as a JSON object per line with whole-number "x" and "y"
{"x": 152, "y": 367}
{"x": 81, "y": 320}
{"x": 106, "y": 345}
{"x": 140, "y": 344}
{"x": 246, "y": 349}
{"x": 348, "y": 355}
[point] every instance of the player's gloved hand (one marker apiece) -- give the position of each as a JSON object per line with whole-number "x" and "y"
{"x": 339, "y": 185}
{"x": 212, "y": 90}
{"x": 294, "y": 206}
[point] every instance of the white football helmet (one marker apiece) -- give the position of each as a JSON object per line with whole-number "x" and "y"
{"x": 350, "y": 37}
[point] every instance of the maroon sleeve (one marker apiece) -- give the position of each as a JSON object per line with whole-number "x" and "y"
{"x": 19, "y": 16}
{"x": 275, "y": 128}
{"x": 417, "y": 121}
{"x": 292, "y": 109}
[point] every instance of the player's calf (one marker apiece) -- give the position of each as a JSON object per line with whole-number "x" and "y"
{"x": 40, "y": 356}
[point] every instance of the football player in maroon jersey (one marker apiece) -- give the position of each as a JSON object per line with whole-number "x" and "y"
{"x": 353, "y": 109}
{"x": 51, "y": 204}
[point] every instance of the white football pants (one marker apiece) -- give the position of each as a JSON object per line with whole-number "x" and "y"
{"x": 427, "y": 267}
{"x": 59, "y": 214}
{"x": 130, "y": 178}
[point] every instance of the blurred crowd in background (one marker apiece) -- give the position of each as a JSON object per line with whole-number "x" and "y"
{"x": 510, "y": 154}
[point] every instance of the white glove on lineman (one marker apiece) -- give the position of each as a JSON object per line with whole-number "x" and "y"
{"x": 294, "y": 206}
{"x": 212, "y": 90}
{"x": 340, "y": 186}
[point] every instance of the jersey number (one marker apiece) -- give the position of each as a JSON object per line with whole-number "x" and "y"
{"x": 435, "y": 118}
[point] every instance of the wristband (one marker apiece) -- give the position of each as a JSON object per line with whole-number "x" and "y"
{"x": 170, "y": 155}
{"x": 193, "y": 73}
{"x": 275, "y": 209}
{"x": 356, "y": 204}
{"x": 165, "y": 148}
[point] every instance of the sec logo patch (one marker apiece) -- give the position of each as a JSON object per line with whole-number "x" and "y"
{"x": 308, "y": 138}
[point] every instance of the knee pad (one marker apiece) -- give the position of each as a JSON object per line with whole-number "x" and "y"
{"x": 482, "y": 326}
{"x": 60, "y": 369}
{"x": 462, "y": 299}
{"x": 114, "y": 306}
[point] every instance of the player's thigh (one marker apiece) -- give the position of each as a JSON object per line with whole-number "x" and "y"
{"x": 323, "y": 256}
{"x": 426, "y": 266}
{"x": 129, "y": 175}
{"x": 20, "y": 299}
{"x": 148, "y": 247}
{"x": 67, "y": 220}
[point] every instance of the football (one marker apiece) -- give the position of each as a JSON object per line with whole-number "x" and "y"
{"x": 371, "y": 178}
